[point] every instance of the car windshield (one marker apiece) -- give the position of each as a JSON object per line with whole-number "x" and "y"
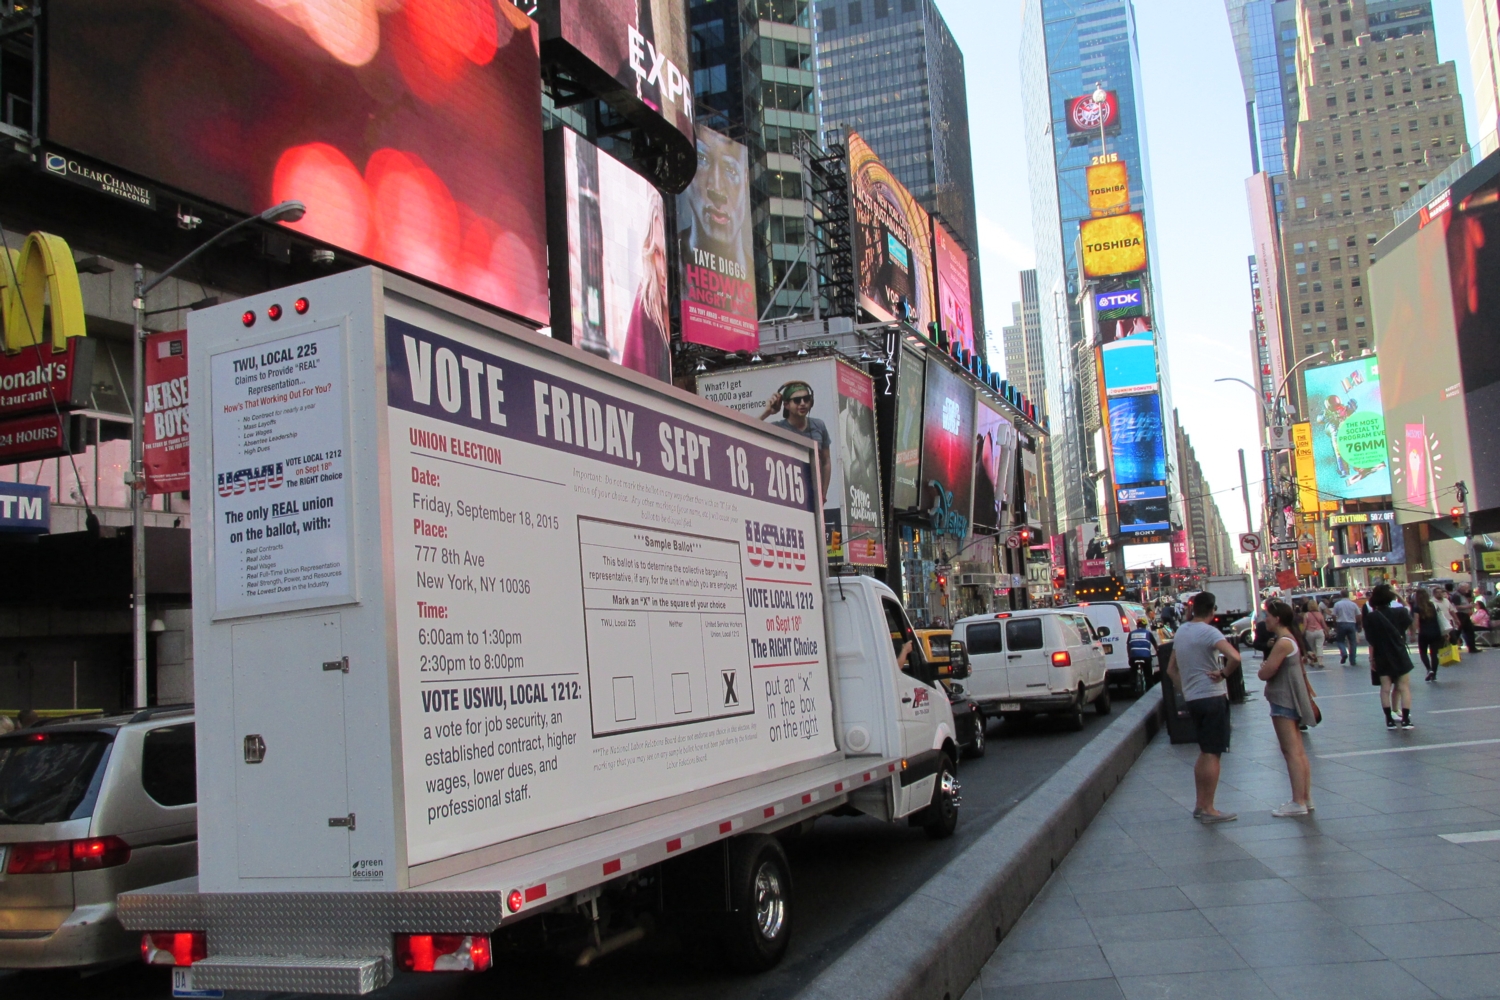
{"x": 50, "y": 777}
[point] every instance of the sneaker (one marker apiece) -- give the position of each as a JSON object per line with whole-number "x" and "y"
{"x": 1390, "y": 723}
{"x": 1209, "y": 817}
{"x": 1290, "y": 809}
{"x": 1408, "y": 724}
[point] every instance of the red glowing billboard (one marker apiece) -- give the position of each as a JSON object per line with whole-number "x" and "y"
{"x": 1084, "y": 114}
{"x": 947, "y": 449}
{"x": 955, "y": 307}
{"x": 410, "y": 130}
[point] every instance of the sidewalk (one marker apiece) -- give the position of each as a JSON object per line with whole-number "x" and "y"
{"x": 1366, "y": 899}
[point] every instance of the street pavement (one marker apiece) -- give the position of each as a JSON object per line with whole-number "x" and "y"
{"x": 1378, "y": 895}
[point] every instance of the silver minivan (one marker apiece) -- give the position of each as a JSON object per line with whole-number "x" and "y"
{"x": 1039, "y": 661}
{"x": 88, "y": 810}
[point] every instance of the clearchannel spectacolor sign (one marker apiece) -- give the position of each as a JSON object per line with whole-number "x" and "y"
{"x": 1113, "y": 245}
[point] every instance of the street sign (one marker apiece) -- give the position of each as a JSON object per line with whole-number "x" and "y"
{"x": 1279, "y": 437}
{"x": 1013, "y": 542}
{"x": 1284, "y": 547}
{"x": 1250, "y": 542}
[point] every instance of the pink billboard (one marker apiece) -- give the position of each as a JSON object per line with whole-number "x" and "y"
{"x": 955, "y": 307}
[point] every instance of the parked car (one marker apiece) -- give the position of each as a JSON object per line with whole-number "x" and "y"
{"x": 1114, "y": 621}
{"x": 1034, "y": 662}
{"x": 90, "y": 809}
{"x": 1241, "y": 632}
{"x": 969, "y": 721}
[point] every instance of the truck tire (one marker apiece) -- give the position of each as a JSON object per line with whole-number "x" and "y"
{"x": 1103, "y": 703}
{"x": 758, "y": 927}
{"x": 940, "y": 819}
{"x": 975, "y": 750}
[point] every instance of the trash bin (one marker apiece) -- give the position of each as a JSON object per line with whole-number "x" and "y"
{"x": 1236, "y": 684}
{"x": 1180, "y": 725}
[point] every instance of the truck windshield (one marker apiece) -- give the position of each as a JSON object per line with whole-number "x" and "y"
{"x": 50, "y": 777}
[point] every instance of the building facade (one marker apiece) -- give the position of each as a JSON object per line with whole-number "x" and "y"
{"x": 754, "y": 81}
{"x": 892, "y": 71}
{"x": 1210, "y": 550}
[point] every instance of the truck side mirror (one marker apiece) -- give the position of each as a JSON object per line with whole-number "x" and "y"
{"x": 958, "y": 661}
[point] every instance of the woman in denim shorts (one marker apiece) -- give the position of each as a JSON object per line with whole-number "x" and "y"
{"x": 1290, "y": 697}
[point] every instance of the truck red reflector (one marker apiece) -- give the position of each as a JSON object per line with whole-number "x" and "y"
{"x": 443, "y": 952}
{"x": 53, "y": 856}
{"x": 838, "y": 786}
{"x": 806, "y": 799}
{"x": 610, "y": 867}
{"x": 1062, "y": 658}
{"x": 174, "y": 947}
{"x": 770, "y": 811}
{"x": 536, "y": 892}
{"x": 726, "y": 827}
{"x": 514, "y": 901}
{"x": 674, "y": 845}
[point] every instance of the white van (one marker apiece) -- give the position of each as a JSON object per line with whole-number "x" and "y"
{"x": 1114, "y": 620}
{"x": 1045, "y": 660}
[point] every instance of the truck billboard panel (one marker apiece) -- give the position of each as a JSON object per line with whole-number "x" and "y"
{"x": 714, "y": 241}
{"x": 840, "y": 421}
{"x": 1348, "y": 423}
{"x": 892, "y": 242}
{"x": 415, "y": 147}
{"x": 607, "y": 237}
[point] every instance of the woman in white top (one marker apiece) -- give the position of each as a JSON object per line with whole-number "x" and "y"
{"x": 1290, "y": 697}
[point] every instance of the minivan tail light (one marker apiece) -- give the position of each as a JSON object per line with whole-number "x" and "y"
{"x": 55, "y": 856}
{"x": 174, "y": 947}
{"x": 443, "y": 952}
{"x": 1062, "y": 658}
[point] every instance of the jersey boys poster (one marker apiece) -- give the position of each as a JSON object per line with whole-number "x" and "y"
{"x": 718, "y": 285}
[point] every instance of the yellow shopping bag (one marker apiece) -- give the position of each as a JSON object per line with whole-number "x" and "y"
{"x": 1450, "y": 655}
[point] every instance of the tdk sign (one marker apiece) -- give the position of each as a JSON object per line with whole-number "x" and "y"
{"x": 1130, "y": 298}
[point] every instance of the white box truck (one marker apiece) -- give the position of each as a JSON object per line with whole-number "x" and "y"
{"x": 488, "y": 629}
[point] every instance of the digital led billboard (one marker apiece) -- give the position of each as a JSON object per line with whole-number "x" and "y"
{"x": 1348, "y": 423}
{"x": 1119, "y": 329}
{"x": 947, "y": 449}
{"x": 892, "y": 242}
{"x": 1109, "y": 188}
{"x": 955, "y": 309}
{"x": 1130, "y": 366}
{"x": 410, "y": 131}
{"x": 1137, "y": 449}
{"x": 609, "y": 247}
{"x": 994, "y": 459}
{"x": 906, "y": 466}
{"x": 1157, "y": 555}
{"x": 1115, "y": 244}
{"x": 714, "y": 242}
{"x": 1143, "y": 509}
{"x": 1121, "y": 303}
{"x": 1085, "y": 115}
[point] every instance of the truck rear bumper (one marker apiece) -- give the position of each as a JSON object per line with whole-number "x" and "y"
{"x": 291, "y": 975}
{"x": 1035, "y": 705}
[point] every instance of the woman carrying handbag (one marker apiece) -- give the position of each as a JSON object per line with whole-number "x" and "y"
{"x": 1291, "y": 699}
{"x": 1390, "y": 664}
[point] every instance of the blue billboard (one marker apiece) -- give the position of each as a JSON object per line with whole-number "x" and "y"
{"x": 25, "y": 509}
{"x": 1138, "y": 451}
{"x": 1130, "y": 366}
{"x": 1143, "y": 509}
{"x": 1348, "y": 422}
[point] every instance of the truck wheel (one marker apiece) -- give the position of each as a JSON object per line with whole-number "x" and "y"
{"x": 759, "y": 925}
{"x": 941, "y": 818}
{"x": 1102, "y": 704}
{"x": 975, "y": 750}
{"x": 1073, "y": 717}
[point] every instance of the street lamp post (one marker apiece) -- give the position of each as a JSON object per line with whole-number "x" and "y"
{"x": 287, "y": 211}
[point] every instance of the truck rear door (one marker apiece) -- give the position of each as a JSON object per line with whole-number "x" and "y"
{"x": 986, "y": 645}
{"x": 1026, "y": 657}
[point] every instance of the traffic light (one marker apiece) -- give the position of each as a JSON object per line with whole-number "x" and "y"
{"x": 1457, "y": 513}
{"x": 1456, "y": 566}
{"x": 1025, "y": 536}
{"x": 942, "y": 582}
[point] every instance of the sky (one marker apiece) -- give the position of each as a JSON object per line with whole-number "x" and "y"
{"x": 1200, "y": 158}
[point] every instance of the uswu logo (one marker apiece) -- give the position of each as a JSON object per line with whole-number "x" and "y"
{"x": 261, "y": 477}
{"x": 772, "y": 546}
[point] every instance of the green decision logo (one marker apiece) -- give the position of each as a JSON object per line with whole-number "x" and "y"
{"x": 1361, "y": 440}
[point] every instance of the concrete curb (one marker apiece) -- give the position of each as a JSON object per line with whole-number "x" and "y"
{"x": 934, "y": 944}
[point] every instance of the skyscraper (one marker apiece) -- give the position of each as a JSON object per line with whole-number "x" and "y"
{"x": 1068, "y": 47}
{"x": 1024, "y": 366}
{"x": 1482, "y": 23}
{"x": 891, "y": 71}
{"x": 753, "y": 80}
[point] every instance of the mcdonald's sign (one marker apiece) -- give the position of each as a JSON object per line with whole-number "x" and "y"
{"x": 37, "y": 284}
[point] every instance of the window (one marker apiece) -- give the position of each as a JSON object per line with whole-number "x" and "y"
{"x": 1328, "y": 197}
{"x": 1318, "y": 306}
{"x": 1297, "y": 248}
{"x": 1301, "y": 267}
{"x": 982, "y": 638}
{"x": 1301, "y": 202}
{"x": 900, "y": 632}
{"x": 1307, "y": 329}
{"x": 1358, "y": 135}
{"x": 830, "y": 18}
{"x": 1359, "y": 322}
{"x": 1306, "y": 308}
{"x": 1362, "y": 344}
{"x": 1301, "y": 288}
{"x": 1310, "y": 349}
{"x": 1372, "y": 238}
{"x": 1390, "y": 88}
{"x": 169, "y": 770}
{"x": 1343, "y": 196}
{"x": 1317, "y": 286}
{"x": 1312, "y": 247}
{"x": 52, "y": 781}
{"x": 1022, "y": 634}
{"x": 1335, "y": 263}
{"x": 856, "y": 12}
{"x": 1354, "y": 281}
{"x": 1351, "y": 241}
{"x": 1426, "y": 83}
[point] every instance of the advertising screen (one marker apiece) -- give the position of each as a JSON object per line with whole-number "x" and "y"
{"x": 906, "y": 467}
{"x": 415, "y": 144}
{"x": 1085, "y": 115}
{"x": 714, "y": 244}
{"x": 994, "y": 458}
{"x": 1422, "y": 396}
{"x": 892, "y": 242}
{"x": 1348, "y": 424}
{"x": 608, "y": 235}
{"x": 1109, "y": 188}
{"x": 1113, "y": 245}
{"x": 947, "y": 449}
{"x": 1118, "y": 329}
{"x": 1122, "y": 303}
{"x": 840, "y": 417}
{"x": 1130, "y": 366}
{"x": 1305, "y": 465}
{"x": 955, "y": 309}
{"x": 1143, "y": 509}
{"x": 1137, "y": 450}
{"x": 1369, "y": 538}
{"x": 1157, "y": 555}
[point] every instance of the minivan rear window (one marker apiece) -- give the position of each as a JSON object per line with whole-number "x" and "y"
{"x": 1023, "y": 633}
{"x": 51, "y": 777}
{"x": 983, "y": 637}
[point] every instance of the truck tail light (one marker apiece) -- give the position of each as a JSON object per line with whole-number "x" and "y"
{"x": 174, "y": 947}
{"x": 443, "y": 952}
{"x": 54, "y": 856}
{"x": 1062, "y": 658}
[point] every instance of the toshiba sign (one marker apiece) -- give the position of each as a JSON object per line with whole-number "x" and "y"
{"x": 1113, "y": 245}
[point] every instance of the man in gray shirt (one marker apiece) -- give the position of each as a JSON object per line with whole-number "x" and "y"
{"x": 1196, "y": 672}
{"x": 1346, "y": 617}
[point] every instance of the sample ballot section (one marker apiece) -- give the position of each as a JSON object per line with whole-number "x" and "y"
{"x": 670, "y": 599}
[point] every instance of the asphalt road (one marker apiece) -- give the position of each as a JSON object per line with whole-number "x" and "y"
{"x": 849, "y": 873}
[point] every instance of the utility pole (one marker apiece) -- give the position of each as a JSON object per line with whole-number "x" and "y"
{"x": 1250, "y": 526}
{"x": 1470, "y": 552}
{"x": 137, "y": 481}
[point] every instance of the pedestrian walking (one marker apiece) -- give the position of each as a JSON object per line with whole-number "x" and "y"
{"x": 1463, "y": 606}
{"x": 1198, "y": 674}
{"x": 1314, "y": 634}
{"x": 1390, "y": 663}
{"x": 1346, "y": 629}
{"x": 1291, "y": 699}
{"x": 1443, "y": 599}
{"x": 1431, "y": 637}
